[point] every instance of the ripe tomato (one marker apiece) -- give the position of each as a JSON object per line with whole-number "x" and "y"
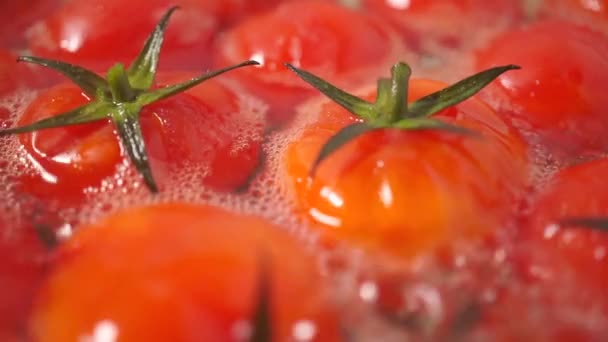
{"x": 180, "y": 272}
{"x": 559, "y": 93}
{"x": 23, "y": 258}
{"x": 211, "y": 134}
{"x": 578, "y": 191}
{"x": 315, "y": 35}
{"x": 408, "y": 192}
{"x": 18, "y": 15}
{"x": 446, "y": 22}
{"x": 110, "y": 31}
{"x": 593, "y": 14}
{"x": 20, "y": 76}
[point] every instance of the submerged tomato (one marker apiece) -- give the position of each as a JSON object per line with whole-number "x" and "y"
{"x": 591, "y": 13}
{"x": 446, "y": 22}
{"x": 578, "y": 191}
{"x": 180, "y": 272}
{"x": 16, "y": 16}
{"x": 559, "y": 93}
{"x": 23, "y": 258}
{"x": 215, "y": 136}
{"x": 408, "y": 192}
{"x": 19, "y": 76}
{"x": 105, "y": 32}
{"x": 316, "y": 35}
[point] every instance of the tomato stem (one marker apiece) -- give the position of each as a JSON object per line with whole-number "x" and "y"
{"x": 391, "y": 101}
{"x": 119, "y": 84}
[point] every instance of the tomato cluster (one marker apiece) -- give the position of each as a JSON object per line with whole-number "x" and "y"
{"x": 267, "y": 170}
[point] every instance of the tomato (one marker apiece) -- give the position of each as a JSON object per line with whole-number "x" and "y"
{"x": 211, "y": 134}
{"x": 449, "y": 23}
{"x": 408, "y": 192}
{"x": 18, "y": 15}
{"x": 558, "y": 95}
{"x": 577, "y": 191}
{"x": 316, "y": 35}
{"x": 24, "y": 257}
{"x": 111, "y": 31}
{"x": 19, "y": 76}
{"x": 593, "y": 14}
{"x": 178, "y": 272}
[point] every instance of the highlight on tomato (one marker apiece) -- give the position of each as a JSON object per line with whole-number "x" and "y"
{"x": 79, "y": 135}
{"x": 422, "y": 164}
{"x": 180, "y": 272}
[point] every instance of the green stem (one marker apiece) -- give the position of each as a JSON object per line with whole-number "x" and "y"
{"x": 391, "y": 101}
{"x": 119, "y": 84}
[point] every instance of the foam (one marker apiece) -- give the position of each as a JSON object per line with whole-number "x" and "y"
{"x": 430, "y": 285}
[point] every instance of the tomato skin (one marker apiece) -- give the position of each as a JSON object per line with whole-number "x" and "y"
{"x": 180, "y": 131}
{"x": 178, "y": 272}
{"x": 18, "y": 15}
{"x": 593, "y": 14}
{"x": 408, "y": 192}
{"x": 110, "y": 31}
{"x": 581, "y": 249}
{"x": 315, "y": 35}
{"x": 23, "y": 258}
{"x": 20, "y": 76}
{"x": 445, "y": 22}
{"x": 559, "y": 92}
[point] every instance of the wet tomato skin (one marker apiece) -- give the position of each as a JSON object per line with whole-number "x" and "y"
{"x": 445, "y": 22}
{"x": 316, "y": 35}
{"x": 582, "y": 250}
{"x": 180, "y": 131}
{"x": 18, "y": 16}
{"x": 111, "y": 31}
{"x": 408, "y": 192}
{"x": 178, "y": 272}
{"x": 24, "y": 258}
{"x": 593, "y": 14}
{"x": 559, "y": 92}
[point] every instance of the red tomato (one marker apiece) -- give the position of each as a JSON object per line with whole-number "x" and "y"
{"x": 16, "y": 16}
{"x": 19, "y": 76}
{"x": 446, "y": 22}
{"x": 212, "y": 134}
{"x": 179, "y": 272}
{"x": 591, "y": 13}
{"x": 408, "y": 192}
{"x": 23, "y": 257}
{"x": 105, "y": 32}
{"x": 315, "y": 35}
{"x": 559, "y": 93}
{"x": 574, "y": 192}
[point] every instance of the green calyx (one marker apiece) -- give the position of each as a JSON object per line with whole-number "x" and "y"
{"x": 391, "y": 109}
{"x": 120, "y": 97}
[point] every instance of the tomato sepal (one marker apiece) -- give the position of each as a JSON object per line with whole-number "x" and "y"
{"x": 120, "y": 97}
{"x": 391, "y": 109}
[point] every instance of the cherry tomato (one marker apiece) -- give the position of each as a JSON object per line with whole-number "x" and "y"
{"x": 205, "y": 132}
{"x": 559, "y": 93}
{"x": 591, "y": 13}
{"x": 446, "y": 22}
{"x": 18, "y": 15}
{"x": 408, "y": 192}
{"x": 110, "y": 31}
{"x": 315, "y": 35}
{"x": 578, "y": 191}
{"x": 24, "y": 257}
{"x": 180, "y": 272}
{"x": 19, "y": 76}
